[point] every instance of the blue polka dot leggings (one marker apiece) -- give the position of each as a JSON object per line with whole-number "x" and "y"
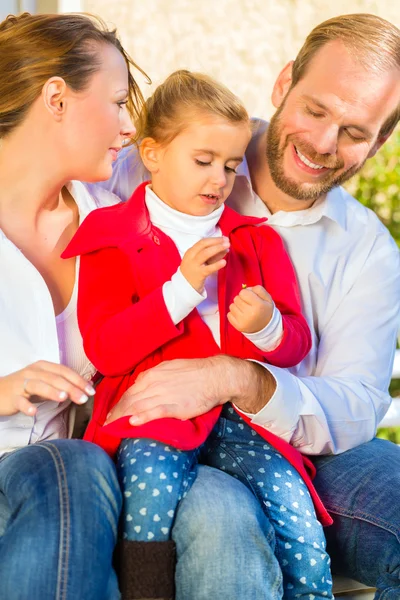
{"x": 156, "y": 477}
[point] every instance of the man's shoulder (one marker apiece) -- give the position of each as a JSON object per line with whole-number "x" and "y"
{"x": 357, "y": 216}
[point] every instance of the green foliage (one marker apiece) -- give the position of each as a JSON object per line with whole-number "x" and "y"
{"x": 378, "y": 184}
{"x": 389, "y": 433}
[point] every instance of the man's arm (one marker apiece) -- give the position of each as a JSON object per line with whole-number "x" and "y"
{"x": 185, "y": 388}
{"x": 336, "y": 408}
{"x": 341, "y": 404}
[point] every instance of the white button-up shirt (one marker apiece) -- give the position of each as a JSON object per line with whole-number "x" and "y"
{"x": 28, "y": 333}
{"x": 348, "y": 270}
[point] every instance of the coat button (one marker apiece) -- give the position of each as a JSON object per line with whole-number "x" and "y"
{"x": 156, "y": 240}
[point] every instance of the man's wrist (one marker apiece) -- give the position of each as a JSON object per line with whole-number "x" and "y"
{"x": 245, "y": 383}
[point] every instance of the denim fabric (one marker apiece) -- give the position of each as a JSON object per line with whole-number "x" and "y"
{"x": 225, "y": 544}
{"x": 300, "y": 542}
{"x": 154, "y": 477}
{"x": 59, "y": 505}
{"x": 361, "y": 489}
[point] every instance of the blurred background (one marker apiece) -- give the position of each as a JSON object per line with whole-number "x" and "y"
{"x": 243, "y": 43}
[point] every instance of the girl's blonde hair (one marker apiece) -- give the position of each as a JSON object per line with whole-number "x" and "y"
{"x": 182, "y": 97}
{"x": 34, "y": 48}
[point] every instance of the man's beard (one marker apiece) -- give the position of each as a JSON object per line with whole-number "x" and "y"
{"x": 302, "y": 191}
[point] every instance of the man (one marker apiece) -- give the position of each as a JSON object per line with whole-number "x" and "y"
{"x": 336, "y": 105}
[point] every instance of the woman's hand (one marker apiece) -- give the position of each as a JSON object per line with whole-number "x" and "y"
{"x": 41, "y": 380}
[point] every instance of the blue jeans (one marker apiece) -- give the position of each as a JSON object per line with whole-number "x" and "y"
{"x": 154, "y": 478}
{"x": 361, "y": 490}
{"x": 299, "y": 538}
{"x": 222, "y": 556}
{"x": 59, "y": 509}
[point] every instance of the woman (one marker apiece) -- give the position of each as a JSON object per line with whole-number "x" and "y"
{"x": 66, "y": 100}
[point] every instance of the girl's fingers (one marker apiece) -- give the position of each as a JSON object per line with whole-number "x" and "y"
{"x": 241, "y": 304}
{"x": 214, "y": 267}
{"x": 232, "y": 320}
{"x": 207, "y": 254}
{"x": 261, "y": 292}
{"x": 217, "y": 257}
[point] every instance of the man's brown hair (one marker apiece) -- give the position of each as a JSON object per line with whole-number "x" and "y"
{"x": 373, "y": 41}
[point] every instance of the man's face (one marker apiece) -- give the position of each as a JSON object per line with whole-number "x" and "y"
{"x": 328, "y": 124}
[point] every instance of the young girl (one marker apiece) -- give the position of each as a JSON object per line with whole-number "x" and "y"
{"x": 173, "y": 273}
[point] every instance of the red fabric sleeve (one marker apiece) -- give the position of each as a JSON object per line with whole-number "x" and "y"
{"x": 280, "y": 281}
{"x": 118, "y": 330}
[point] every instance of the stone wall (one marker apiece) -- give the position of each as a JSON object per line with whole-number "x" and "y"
{"x": 244, "y": 43}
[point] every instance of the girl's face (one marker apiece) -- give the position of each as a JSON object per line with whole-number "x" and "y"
{"x": 97, "y": 120}
{"x": 195, "y": 172}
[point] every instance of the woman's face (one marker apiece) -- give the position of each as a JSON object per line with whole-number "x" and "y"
{"x": 97, "y": 121}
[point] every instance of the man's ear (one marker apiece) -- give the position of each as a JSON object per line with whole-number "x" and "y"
{"x": 379, "y": 142}
{"x": 150, "y": 153}
{"x": 282, "y": 85}
{"x": 54, "y": 96}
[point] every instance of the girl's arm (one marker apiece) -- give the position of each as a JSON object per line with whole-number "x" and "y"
{"x": 118, "y": 329}
{"x": 279, "y": 280}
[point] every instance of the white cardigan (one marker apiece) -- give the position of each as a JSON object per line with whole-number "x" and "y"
{"x": 28, "y": 333}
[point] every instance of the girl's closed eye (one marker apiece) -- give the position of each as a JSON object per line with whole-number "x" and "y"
{"x": 202, "y": 163}
{"x": 122, "y": 103}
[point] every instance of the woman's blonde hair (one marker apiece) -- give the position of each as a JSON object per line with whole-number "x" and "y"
{"x": 373, "y": 41}
{"x": 182, "y": 97}
{"x": 34, "y": 48}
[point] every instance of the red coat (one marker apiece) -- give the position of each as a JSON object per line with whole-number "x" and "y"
{"x": 126, "y": 327}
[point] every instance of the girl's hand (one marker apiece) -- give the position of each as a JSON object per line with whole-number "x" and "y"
{"x": 251, "y": 310}
{"x": 41, "y": 380}
{"x": 203, "y": 259}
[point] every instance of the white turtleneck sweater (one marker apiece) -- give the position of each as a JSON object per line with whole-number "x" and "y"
{"x": 180, "y": 297}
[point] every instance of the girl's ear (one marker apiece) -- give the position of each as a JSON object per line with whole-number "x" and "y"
{"x": 150, "y": 153}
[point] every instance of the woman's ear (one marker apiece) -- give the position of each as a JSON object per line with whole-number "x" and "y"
{"x": 150, "y": 153}
{"x": 282, "y": 85}
{"x": 54, "y": 96}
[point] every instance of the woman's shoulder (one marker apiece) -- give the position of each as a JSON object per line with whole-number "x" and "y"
{"x": 98, "y": 229}
{"x": 90, "y": 196}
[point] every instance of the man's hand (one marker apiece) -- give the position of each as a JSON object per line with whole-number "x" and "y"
{"x": 251, "y": 310}
{"x": 187, "y": 388}
{"x": 203, "y": 259}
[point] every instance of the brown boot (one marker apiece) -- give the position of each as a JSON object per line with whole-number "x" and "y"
{"x": 146, "y": 570}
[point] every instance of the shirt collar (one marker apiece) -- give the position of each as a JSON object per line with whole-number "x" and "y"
{"x": 244, "y": 200}
{"x": 163, "y": 215}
